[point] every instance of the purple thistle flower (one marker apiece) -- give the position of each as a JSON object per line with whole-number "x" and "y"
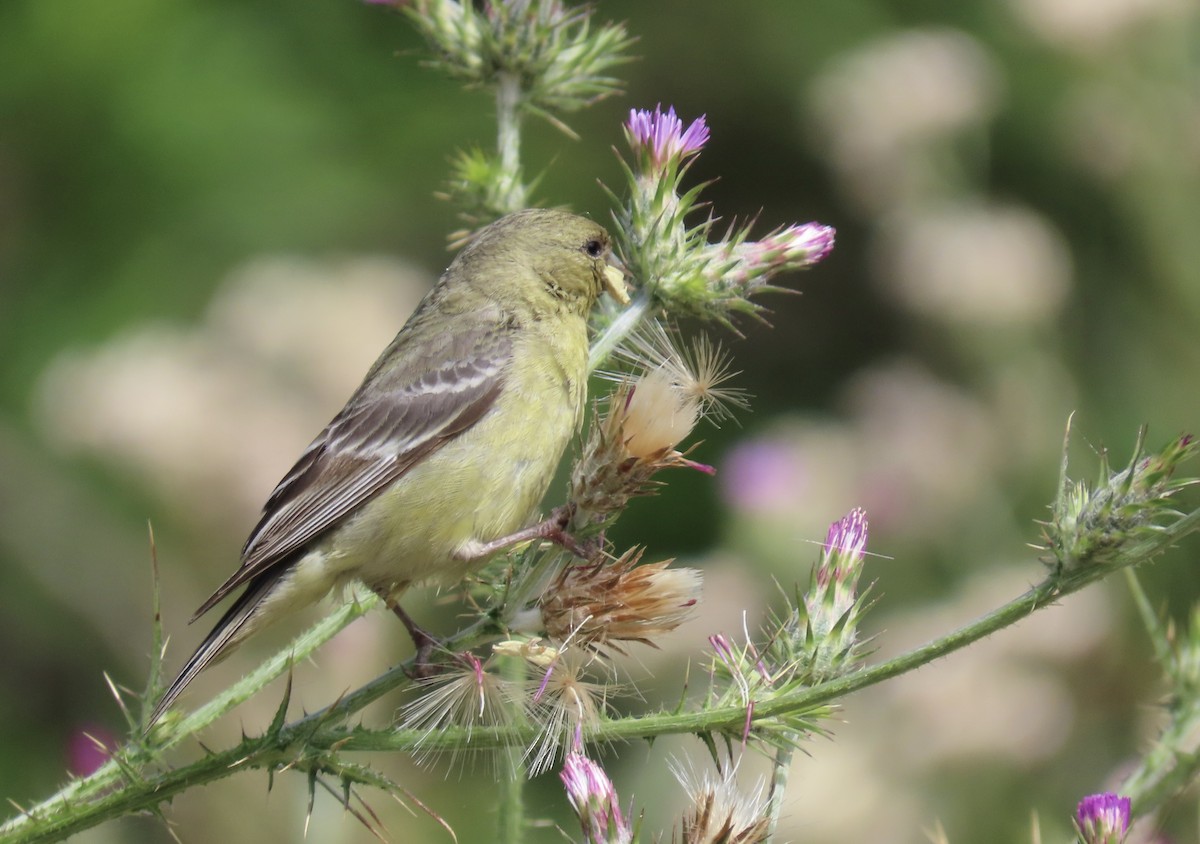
{"x": 809, "y": 242}
{"x": 749, "y": 264}
{"x": 662, "y": 138}
{"x": 1103, "y": 818}
{"x": 835, "y": 580}
{"x": 594, "y": 800}
{"x": 88, "y": 749}
{"x": 847, "y": 537}
{"x": 761, "y": 477}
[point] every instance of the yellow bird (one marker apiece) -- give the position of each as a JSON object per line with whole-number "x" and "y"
{"x": 443, "y": 453}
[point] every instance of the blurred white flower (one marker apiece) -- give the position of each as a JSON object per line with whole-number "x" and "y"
{"x": 1100, "y": 131}
{"x": 317, "y": 321}
{"x": 1090, "y": 25}
{"x": 916, "y": 452}
{"x": 929, "y": 451}
{"x": 1007, "y": 697}
{"x": 976, "y": 263}
{"x": 210, "y": 416}
{"x": 879, "y": 107}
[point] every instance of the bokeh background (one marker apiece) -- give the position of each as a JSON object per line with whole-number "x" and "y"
{"x": 213, "y": 216}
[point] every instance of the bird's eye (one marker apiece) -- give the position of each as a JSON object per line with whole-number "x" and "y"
{"x": 594, "y": 248}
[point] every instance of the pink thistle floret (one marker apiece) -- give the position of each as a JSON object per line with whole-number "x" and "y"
{"x": 662, "y": 137}
{"x": 88, "y": 750}
{"x": 594, "y": 800}
{"x": 841, "y": 561}
{"x": 808, "y": 241}
{"x": 794, "y": 247}
{"x": 847, "y": 537}
{"x": 1103, "y": 818}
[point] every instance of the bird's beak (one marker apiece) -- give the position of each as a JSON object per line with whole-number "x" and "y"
{"x": 614, "y": 280}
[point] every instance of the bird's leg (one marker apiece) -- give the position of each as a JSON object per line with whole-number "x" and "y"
{"x": 553, "y": 529}
{"x": 423, "y": 641}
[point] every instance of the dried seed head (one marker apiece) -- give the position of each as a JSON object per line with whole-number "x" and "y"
{"x": 700, "y": 369}
{"x": 465, "y": 695}
{"x": 565, "y": 703}
{"x": 720, "y": 814}
{"x": 598, "y": 606}
{"x": 656, "y": 415}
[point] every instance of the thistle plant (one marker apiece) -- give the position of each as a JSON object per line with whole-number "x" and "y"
{"x": 531, "y": 679}
{"x": 538, "y": 57}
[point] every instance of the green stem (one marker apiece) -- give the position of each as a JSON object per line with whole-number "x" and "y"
{"x": 1165, "y": 769}
{"x": 170, "y": 733}
{"x": 301, "y": 648}
{"x": 58, "y": 818}
{"x": 779, "y": 780}
{"x": 131, "y": 789}
{"x": 508, "y": 142}
{"x": 727, "y": 719}
{"x": 514, "y": 774}
{"x": 1164, "y": 773}
{"x": 625, "y": 323}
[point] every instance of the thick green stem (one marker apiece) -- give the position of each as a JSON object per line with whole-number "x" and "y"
{"x": 301, "y": 648}
{"x": 621, "y": 327}
{"x": 1166, "y": 768}
{"x": 170, "y": 733}
{"x": 508, "y": 142}
{"x": 514, "y": 774}
{"x": 729, "y": 719}
{"x": 779, "y": 780}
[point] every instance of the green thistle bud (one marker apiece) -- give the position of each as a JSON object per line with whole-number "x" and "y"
{"x": 1124, "y": 517}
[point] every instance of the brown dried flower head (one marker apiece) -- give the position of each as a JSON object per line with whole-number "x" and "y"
{"x": 720, "y": 813}
{"x": 599, "y": 605}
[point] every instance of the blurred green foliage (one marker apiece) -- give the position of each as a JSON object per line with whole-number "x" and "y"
{"x": 149, "y": 149}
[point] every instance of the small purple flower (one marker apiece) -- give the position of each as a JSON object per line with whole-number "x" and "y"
{"x": 792, "y": 248}
{"x": 662, "y": 138}
{"x": 847, "y": 537}
{"x": 809, "y": 242}
{"x": 1103, "y": 818}
{"x": 836, "y": 576}
{"x": 88, "y": 749}
{"x": 594, "y": 800}
{"x": 724, "y": 650}
{"x": 762, "y": 477}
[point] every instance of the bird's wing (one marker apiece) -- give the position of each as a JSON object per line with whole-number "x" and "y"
{"x": 420, "y": 397}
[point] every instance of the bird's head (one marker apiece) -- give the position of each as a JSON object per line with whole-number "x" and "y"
{"x": 550, "y": 259}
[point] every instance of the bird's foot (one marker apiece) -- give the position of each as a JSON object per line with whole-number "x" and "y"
{"x": 424, "y": 641}
{"x": 553, "y": 529}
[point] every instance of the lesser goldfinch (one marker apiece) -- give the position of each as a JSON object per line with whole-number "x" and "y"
{"x": 450, "y": 442}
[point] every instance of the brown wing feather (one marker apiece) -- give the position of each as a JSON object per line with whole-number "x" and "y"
{"x": 406, "y": 409}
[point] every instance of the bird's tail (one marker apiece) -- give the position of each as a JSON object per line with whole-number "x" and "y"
{"x": 223, "y": 636}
